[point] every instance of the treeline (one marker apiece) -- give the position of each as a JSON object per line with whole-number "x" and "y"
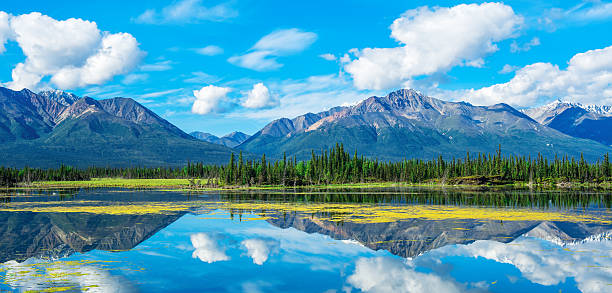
{"x": 336, "y": 166}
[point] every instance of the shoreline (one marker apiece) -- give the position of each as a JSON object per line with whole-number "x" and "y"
{"x": 188, "y": 185}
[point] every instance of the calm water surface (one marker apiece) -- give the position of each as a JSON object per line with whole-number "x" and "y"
{"x": 387, "y": 240}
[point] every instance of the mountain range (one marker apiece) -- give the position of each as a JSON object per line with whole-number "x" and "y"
{"x": 229, "y": 140}
{"x": 408, "y": 124}
{"x": 584, "y": 121}
{"x": 53, "y": 128}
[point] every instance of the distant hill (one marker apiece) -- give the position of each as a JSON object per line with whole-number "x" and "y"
{"x": 52, "y": 128}
{"x": 407, "y": 124}
{"x": 230, "y": 140}
{"x": 584, "y": 121}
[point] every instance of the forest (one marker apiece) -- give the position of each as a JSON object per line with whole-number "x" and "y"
{"x": 337, "y": 166}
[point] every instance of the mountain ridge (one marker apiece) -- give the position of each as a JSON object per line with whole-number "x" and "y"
{"x": 408, "y": 124}
{"x": 584, "y": 121}
{"x": 231, "y": 140}
{"x": 56, "y": 128}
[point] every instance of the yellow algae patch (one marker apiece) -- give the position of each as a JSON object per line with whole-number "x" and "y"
{"x": 371, "y": 213}
{"x": 109, "y": 209}
{"x": 57, "y": 276}
{"x": 54, "y": 289}
{"x": 116, "y": 182}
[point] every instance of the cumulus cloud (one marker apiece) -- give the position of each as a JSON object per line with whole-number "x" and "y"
{"x": 382, "y": 274}
{"x": 263, "y": 55}
{"x": 586, "y": 79}
{"x": 544, "y": 262}
{"x": 187, "y": 11}
{"x": 434, "y": 40}
{"x": 5, "y": 30}
{"x": 208, "y": 99}
{"x": 312, "y": 94}
{"x": 207, "y": 249}
{"x": 515, "y": 47}
{"x": 259, "y": 97}
{"x": 328, "y": 57}
{"x": 73, "y": 52}
{"x": 210, "y": 50}
{"x": 260, "y": 249}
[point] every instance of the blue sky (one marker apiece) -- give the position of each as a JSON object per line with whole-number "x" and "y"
{"x": 220, "y": 66}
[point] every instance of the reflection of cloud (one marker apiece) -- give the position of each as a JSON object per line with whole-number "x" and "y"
{"x": 33, "y": 275}
{"x": 545, "y": 263}
{"x": 383, "y": 274}
{"x": 260, "y": 249}
{"x": 207, "y": 249}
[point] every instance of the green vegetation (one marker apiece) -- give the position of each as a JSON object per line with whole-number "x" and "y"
{"x": 336, "y": 166}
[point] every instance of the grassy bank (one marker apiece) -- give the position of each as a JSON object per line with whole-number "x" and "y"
{"x": 465, "y": 182}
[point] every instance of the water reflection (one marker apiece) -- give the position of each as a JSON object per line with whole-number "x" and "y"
{"x": 394, "y": 241}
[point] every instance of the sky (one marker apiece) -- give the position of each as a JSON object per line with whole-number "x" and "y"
{"x": 223, "y": 66}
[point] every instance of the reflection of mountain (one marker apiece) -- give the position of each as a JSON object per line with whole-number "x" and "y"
{"x": 414, "y": 237}
{"x": 55, "y": 235}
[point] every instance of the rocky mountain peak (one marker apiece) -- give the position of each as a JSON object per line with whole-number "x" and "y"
{"x": 62, "y": 97}
{"x": 130, "y": 110}
{"x": 81, "y": 107}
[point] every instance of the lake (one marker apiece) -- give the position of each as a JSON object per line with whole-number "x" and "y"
{"x": 311, "y": 240}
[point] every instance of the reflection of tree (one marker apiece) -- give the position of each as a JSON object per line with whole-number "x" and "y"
{"x": 442, "y": 196}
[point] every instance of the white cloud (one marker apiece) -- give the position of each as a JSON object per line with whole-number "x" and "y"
{"x": 328, "y": 57}
{"x": 73, "y": 52}
{"x": 262, "y": 56}
{"x": 159, "y": 93}
{"x": 586, "y": 79}
{"x": 382, "y": 274}
{"x": 208, "y": 99}
{"x": 515, "y": 47}
{"x": 585, "y": 12}
{"x": 207, "y": 249}
{"x": 508, "y": 68}
{"x": 5, "y": 30}
{"x": 434, "y": 40}
{"x": 201, "y": 77}
{"x": 260, "y": 97}
{"x": 187, "y": 11}
{"x": 312, "y": 94}
{"x": 135, "y": 78}
{"x": 210, "y": 50}
{"x": 544, "y": 262}
{"x": 157, "y": 66}
{"x": 260, "y": 249}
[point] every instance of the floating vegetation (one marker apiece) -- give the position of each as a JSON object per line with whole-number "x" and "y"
{"x": 373, "y": 213}
{"x": 53, "y": 276}
{"x": 96, "y": 207}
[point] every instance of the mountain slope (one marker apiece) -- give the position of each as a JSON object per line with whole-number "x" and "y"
{"x": 407, "y": 124}
{"x": 113, "y": 132}
{"x": 590, "y": 122}
{"x": 25, "y": 115}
